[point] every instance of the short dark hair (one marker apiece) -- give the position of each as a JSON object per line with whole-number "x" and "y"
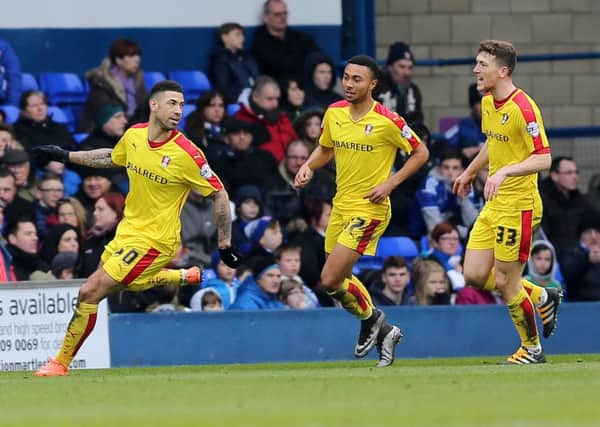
{"x": 123, "y": 47}
{"x": 7, "y": 128}
{"x": 286, "y": 247}
{"x": 164, "y": 86}
{"x": 394, "y": 262}
{"x": 366, "y": 61}
{"x": 228, "y": 27}
{"x": 442, "y": 228}
{"x": 13, "y": 225}
{"x": 504, "y": 52}
{"x": 555, "y": 165}
{"x": 6, "y": 172}
{"x": 48, "y": 176}
{"x": 28, "y": 94}
{"x": 446, "y": 153}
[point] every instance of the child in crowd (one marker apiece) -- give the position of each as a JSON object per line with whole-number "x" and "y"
{"x": 207, "y": 299}
{"x": 432, "y": 286}
{"x": 542, "y": 265}
{"x": 288, "y": 258}
{"x": 248, "y": 206}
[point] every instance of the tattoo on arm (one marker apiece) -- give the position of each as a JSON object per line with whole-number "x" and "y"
{"x": 223, "y": 218}
{"x": 100, "y": 158}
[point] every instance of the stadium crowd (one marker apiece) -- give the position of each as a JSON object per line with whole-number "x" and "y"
{"x": 257, "y": 125}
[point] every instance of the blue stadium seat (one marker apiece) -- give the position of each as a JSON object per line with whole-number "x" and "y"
{"x": 152, "y": 77}
{"x": 80, "y": 136}
{"x": 63, "y": 88}
{"x": 12, "y": 113}
{"x": 367, "y": 262}
{"x": 194, "y": 83}
{"x": 61, "y": 116}
{"x": 28, "y": 82}
{"x": 397, "y": 245}
{"x": 232, "y": 109}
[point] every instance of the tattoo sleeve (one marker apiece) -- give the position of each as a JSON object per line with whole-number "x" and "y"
{"x": 99, "y": 158}
{"x": 223, "y": 218}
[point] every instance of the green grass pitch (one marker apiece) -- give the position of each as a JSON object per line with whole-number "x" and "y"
{"x": 424, "y": 392}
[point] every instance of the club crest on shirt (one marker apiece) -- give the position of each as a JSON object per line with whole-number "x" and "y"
{"x": 165, "y": 162}
{"x": 406, "y": 132}
{"x": 533, "y": 129}
{"x": 368, "y": 129}
{"x": 504, "y": 119}
{"x": 205, "y": 171}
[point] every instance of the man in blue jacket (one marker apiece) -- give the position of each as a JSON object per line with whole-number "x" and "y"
{"x": 261, "y": 290}
{"x": 10, "y": 74}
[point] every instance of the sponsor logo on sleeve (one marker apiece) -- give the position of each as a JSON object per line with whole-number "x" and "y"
{"x": 406, "y": 132}
{"x": 205, "y": 171}
{"x": 533, "y": 129}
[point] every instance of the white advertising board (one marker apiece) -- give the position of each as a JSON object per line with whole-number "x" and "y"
{"x": 33, "y": 320}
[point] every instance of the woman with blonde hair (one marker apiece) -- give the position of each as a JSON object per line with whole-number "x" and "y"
{"x": 431, "y": 284}
{"x": 71, "y": 211}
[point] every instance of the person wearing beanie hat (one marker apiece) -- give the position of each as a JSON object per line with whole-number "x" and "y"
{"x": 261, "y": 290}
{"x": 63, "y": 265}
{"x": 395, "y": 89}
{"x": 163, "y": 167}
{"x": 248, "y": 206}
{"x": 466, "y": 135}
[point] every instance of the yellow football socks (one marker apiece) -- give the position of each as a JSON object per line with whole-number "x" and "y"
{"x": 81, "y": 325}
{"x": 355, "y": 298}
{"x": 522, "y": 314}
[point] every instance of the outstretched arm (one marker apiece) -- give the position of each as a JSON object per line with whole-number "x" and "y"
{"x": 100, "y": 158}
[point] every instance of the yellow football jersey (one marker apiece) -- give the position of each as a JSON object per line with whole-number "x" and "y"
{"x": 161, "y": 176}
{"x": 514, "y": 130}
{"x": 364, "y": 152}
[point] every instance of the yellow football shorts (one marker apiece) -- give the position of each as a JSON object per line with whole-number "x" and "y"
{"x": 357, "y": 231}
{"x": 133, "y": 262}
{"x": 508, "y": 232}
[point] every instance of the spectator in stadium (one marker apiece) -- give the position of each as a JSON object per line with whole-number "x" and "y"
{"x": 261, "y": 290}
{"x": 35, "y": 126}
{"x": 294, "y": 294}
{"x": 320, "y": 80}
{"x": 265, "y": 237}
{"x": 593, "y": 194}
{"x": 207, "y": 299}
{"x": 10, "y": 74}
{"x": 225, "y": 284}
{"x": 274, "y": 129}
{"x": 308, "y": 127}
{"x": 396, "y": 90}
{"x": 446, "y": 249}
{"x": 434, "y": 201}
{"x": 71, "y": 211}
{"x": 466, "y": 135}
{"x": 108, "y": 212}
{"x": 14, "y": 205}
{"x": 233, "y": 70}
{"x": 205, "y": 127}
{"x": 431, "y": 283}
{"x": 280, "y": 50}
{"x": 70, "y": 179}
{"x": 475, "y": 296}
{"x": 17, "y": 161}
{"x": 248, "y": 207}
{"x": 7, "y": 139}
{"x": 564, "y": 205}
{"x": 95, "y": 183}
{"x": 50, "y": 191}
{"x": 288, "y": 258}
{"x": 60, "y": 238}
{"x": 580, "y": 263}
{"x": 118, "y": 80}
{"x": 198, "y": 231}
{"x": 22, "y": 245}
{"x": 242, "y": 163}
{"x": 391, "y": 289}
{"x": 542, "y": 265}
{"x": 7, "y": 273}
{"x": 293, "y": 101}
{"x": 63, "y": 265}
{"x": 110, "y": 122}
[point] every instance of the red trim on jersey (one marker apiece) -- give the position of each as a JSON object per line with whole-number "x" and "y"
{"x": 366, "y": 237}
{"x": 543, "y": 150}
{"x": 339, "y": 104}
{"x": 198, "y": 158}
{"x": 88, "y": 330}
{"x": 140, "y": 125}
{"x": 397, "y": 120}
{"x": 527, "y": 307}
{"x": 501, "y": 102}
{"x": 158, "y": 144}
{"x": 360, "y": 298}
{"x": 525, "y": 246}
{"x": 529, "y": 114}
{"x": 141, "y": 265}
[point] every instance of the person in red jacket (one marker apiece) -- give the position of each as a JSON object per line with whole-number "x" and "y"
{"x": 274, "y": 131}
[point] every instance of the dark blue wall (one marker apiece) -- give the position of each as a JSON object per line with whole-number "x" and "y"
{"x": 164, "y": 49}
{"x": 329, "y": 334}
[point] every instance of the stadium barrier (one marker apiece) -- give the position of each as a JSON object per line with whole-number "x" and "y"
{"x": 329, "y": 334}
